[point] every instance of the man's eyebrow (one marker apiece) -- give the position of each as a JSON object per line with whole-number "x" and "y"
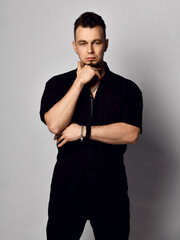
{"x": 98, "y": 39}
{"x": 95, "y": 40}
{"x": 81, "y": 41}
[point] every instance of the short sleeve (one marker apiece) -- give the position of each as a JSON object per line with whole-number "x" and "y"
{"x": 53, "y": 92}
{"x": 132, "y": 105}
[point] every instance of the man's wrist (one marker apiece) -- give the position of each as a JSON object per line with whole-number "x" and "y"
{"x": 88, "y": 132}
{"x": 79, "y": 82}
{"x": 84, "y": 131}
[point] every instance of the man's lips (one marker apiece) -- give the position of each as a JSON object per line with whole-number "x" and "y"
{"x": 91, "y": 58}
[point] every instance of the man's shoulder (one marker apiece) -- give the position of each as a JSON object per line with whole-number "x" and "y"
{"x": 123, "y": 82}
{"x": 63, "y": 78}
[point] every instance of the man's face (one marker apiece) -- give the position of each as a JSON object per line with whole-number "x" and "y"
{"x": 90, "y": 45}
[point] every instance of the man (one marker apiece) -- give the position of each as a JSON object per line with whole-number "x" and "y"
{"x": 94, "y": 114}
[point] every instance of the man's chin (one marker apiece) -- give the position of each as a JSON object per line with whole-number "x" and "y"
{"x": 93, "y": 64}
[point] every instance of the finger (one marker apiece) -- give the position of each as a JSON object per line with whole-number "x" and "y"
{"x": 99, "y": 69}
{"x": 80, "y": 66}
{"x": 57, "y": 136}
{"x": 98, "y": 75}
{"x": 62, "y": 143}
{"x": 60, "y": 139}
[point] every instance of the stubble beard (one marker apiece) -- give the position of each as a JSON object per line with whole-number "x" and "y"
{"x": 95, "y": 65}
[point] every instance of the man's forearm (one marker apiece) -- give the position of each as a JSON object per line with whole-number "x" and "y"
{"x": 60, "y": 115}
{"x": 116, "y": 133}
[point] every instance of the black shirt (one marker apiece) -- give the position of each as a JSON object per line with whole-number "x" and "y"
{"x": 117, "y": 100}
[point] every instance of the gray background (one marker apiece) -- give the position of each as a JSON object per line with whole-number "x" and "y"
{"x": 35, "y": 44}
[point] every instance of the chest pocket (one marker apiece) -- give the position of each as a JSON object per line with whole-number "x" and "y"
{"x": 108, "y": 109}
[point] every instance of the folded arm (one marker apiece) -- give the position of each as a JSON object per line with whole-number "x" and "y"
{"x": 116, "y": 133}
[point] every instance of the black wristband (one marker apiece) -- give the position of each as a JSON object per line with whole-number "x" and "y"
{"x": 88, "y": 132}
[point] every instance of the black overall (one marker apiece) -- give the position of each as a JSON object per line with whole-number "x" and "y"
{"x": 89, "y": 180}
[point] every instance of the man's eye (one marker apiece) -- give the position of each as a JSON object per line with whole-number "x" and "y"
{"x": 82, "y": 44}
{"x": 97, "y": 43}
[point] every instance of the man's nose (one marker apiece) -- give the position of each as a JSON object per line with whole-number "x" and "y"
{"x": 90, "y": 48}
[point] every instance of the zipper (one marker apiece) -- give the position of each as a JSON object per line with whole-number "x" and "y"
{"x": 90, "y": 149}
{"x": 91, "y": 108}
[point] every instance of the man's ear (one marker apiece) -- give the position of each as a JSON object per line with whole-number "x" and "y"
{"x": 74, "y": 46}
{"x": 107, "y": 44}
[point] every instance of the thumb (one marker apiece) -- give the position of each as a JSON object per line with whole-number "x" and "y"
{"x": 79, "y": 66}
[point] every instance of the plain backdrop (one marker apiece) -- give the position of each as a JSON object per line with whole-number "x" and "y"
{"x": 36, "y": 44}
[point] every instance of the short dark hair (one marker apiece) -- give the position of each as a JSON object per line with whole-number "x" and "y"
{"x": 90, "y": 19}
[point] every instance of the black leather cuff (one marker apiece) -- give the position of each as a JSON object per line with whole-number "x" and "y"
{"x": 88, "y": 132}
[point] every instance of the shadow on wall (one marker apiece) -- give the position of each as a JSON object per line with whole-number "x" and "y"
{"x": 150, "y": 169}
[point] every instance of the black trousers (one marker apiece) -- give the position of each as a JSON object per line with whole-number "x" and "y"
{"x": 95, "y": 192}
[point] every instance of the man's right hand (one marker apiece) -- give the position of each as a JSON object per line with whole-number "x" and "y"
{"x": 85, "y": 73}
